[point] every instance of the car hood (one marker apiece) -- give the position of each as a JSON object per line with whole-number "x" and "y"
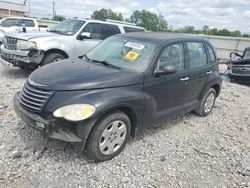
{"x": 241, "y": 62}
{"x": 78, "y": 74}
{"x": 30, "y": 35}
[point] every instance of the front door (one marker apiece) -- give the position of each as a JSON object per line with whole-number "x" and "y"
{"x": 82, "y": 46}
{"x": 166, "y": 95}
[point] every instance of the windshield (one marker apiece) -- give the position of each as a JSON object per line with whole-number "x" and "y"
{"x": 247, "y": 53}
{"x": 67, "y": 27}
{"x": 123, "y": 52}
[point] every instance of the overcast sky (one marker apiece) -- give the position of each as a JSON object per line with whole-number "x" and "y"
{"x": 230, "y": 14}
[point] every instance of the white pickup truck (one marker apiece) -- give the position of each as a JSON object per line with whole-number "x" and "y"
{"x": 68, "y": 39}
{"x": 14, "y": 24}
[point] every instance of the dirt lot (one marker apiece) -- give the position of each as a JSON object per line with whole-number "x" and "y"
{"x": 188, "y": 151}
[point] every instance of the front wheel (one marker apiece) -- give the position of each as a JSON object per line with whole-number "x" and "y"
{"x": 109, "y": 136}
{"x": 50, "y": 58}
{"x": 207, "y": 103}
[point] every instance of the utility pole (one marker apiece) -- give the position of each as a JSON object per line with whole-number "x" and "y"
{"x": 29, "y": 8}
{"x": 53, "y": 8}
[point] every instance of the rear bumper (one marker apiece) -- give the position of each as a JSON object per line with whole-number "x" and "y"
{"x": 53, "y": 128}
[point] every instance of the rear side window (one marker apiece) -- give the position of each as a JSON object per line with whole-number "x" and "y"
{"x": 172, "y": 55}
{"x": 133, "y": 29}
{"x": 197, "y": 54}
{"x": 109, "y": 30}
{"x": 28, "y": 23}
{"x": 9, "y": 23}
{"x": 211, "y": 54}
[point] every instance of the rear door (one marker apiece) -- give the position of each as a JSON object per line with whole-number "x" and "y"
{"x": 199, "y": 67}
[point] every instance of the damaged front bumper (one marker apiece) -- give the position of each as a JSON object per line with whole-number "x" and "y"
{"x": 21, "y": 58}
{"x": 54, "y": 128}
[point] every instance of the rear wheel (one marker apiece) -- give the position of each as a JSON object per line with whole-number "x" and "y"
{"x": 109, "y": 136}
{"x": 52, "y": 57}
{"x": 207, "y": 103}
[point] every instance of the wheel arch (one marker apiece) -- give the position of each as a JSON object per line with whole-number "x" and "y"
{"x": 216, "y": 87}
{"x": 55, "y": 50}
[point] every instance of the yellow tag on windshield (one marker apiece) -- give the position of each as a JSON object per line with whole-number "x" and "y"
{"x": 131, "y": 56}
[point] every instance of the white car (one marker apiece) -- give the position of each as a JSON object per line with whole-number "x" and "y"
{"x": 14, "y": 24}
{"x": 69, "y": 39}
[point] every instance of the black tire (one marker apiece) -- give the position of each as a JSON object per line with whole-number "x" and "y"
{"x": 200, "y": 110}
{"x": 92, "y": 147}
{"x": 52, "y": 57}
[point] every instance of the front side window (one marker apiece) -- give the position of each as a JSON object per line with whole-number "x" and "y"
{"x": 172, "y": 55}
{"x": 9, "y": 23}
{"x": 197, "y": 54}
{"x": 28, "y": 23}
{"x": 67, "y": 27}
{"x": 124, "y": 52}
{"x": 109, "y": 30}
{"x": 94, "y": 29}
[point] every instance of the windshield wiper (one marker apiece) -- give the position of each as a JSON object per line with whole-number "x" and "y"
{"x": 104, "y": 63}
{"x": 55, "y": 31}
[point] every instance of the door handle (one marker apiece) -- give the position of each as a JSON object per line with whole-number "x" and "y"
{"x": 184, "y": 79}
{"x": 209, "y": 72}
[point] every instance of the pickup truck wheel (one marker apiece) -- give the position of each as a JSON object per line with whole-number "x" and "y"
{"x": 50, "y": 58}
{"x": 207, "y": 103}
{"x": 109, "y": 136}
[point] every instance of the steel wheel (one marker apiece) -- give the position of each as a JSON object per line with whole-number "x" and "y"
{"x": 112, "y": 137}
{"x": 209, "y": 103}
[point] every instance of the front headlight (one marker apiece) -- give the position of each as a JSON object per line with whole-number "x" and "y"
{"x": 75, "y": 112}
{"x": 24, "y": 44}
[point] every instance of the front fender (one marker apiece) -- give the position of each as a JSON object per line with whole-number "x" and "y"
{"x": 45, "y": 44}
{"x": 105, "y": 100}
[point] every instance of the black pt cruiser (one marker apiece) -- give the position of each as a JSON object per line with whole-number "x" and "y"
{"x": 125, "y": 84}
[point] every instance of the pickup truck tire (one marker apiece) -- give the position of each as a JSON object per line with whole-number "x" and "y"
{"x": 108, "y": 136}
{"x": 50, "y": 58}
{"x": 207, "y": 103}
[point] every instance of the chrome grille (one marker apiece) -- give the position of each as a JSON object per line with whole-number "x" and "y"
{"x": 33, "y": 98}
{"x": 10, "y": 43}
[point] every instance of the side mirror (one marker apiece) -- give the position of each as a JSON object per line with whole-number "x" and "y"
{"x": 84, "y": 35}
{"x": 167, "y": 70}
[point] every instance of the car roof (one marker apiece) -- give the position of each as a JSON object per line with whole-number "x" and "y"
{"x": 162, "y": 37}
{"x": 114, "y": 22}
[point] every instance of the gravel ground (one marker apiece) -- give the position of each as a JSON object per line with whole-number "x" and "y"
{"x": 188, "y": 151}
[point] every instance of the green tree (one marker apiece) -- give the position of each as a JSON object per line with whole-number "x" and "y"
{"x": 103, "y": 14}
{"x": 58, "y": 18}
{"x": 149, "y": 20}
{"x": 187, "y": 29}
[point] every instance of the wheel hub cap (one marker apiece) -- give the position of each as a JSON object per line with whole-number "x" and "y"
{"x": 209, "y": 103}
{"x": 112, "y": 138}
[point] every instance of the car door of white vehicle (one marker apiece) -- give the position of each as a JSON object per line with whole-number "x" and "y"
{"x": 85, "y": 44}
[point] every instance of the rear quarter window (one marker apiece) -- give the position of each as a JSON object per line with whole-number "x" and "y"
{"x": 211, "y": 54}
{"x": 132, "y": 29}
